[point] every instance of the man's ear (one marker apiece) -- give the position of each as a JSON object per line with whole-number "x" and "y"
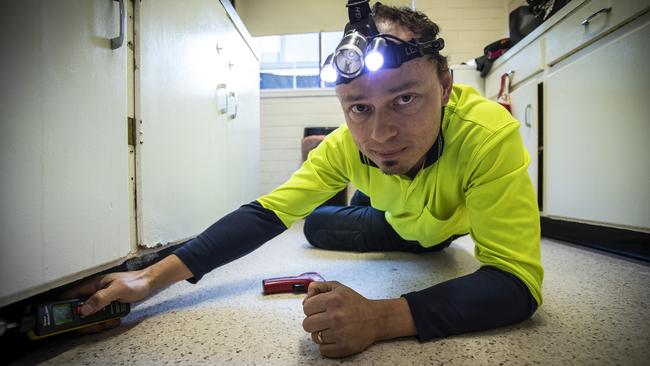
{"x": 446, "y": 81}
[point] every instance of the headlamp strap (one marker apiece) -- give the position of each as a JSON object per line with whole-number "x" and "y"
{"x": 358, "y": 10}
{"x": 360, "y": 17}
{"x": 412, "y": 49}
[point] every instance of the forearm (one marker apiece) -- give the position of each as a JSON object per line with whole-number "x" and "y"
{"x": 166, "y": 272}
{"x": 486, "y": 299}
{"x": 394, "y": 319}
{"x": 233, "y": 236}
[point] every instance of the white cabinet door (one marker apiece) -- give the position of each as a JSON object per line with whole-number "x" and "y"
{"x": 189, "y": 172}
{"x": 524, "y": 109}
{"x": 597, "y": 132}
{"x": 242, "y": 138}
{"x": 63, "y": 139}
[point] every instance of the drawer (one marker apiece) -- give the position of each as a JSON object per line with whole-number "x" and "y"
{"x": 570, "y": 34}
{"x": 524, "y": 63}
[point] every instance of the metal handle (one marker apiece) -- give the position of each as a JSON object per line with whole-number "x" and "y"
{"x": 592, "y": 16}
{"x": 526, "y": 119}
{"x": 234, "y": 96}
{"x": 222, "y": 98}
{"x": 117, "y": 41}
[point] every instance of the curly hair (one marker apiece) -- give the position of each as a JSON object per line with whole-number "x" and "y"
{"x": 415, "y": 21}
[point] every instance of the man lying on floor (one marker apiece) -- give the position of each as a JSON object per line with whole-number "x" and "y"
{"x": 431, "y": 160}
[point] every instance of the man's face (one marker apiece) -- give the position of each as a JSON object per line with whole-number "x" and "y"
{"x": 394, "y": 114}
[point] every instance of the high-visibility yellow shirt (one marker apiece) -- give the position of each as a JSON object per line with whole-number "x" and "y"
{"x": 479, "y": 185}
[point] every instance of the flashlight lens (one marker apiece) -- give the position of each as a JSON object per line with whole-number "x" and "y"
{"x": 348, "y": 62}
{"x": 328, "y": 74}
{"x": 374, "y": 60}
{"x": 348, "y": 58}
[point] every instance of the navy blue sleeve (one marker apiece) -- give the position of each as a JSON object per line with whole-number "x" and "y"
{"x": 233, "y": 236}
{"x": 486, "y": 299}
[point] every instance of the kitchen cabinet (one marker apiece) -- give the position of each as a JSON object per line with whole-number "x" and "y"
{"x": 597, "y": 132}
{"x": 63, "y": 144}
{"x": 90, "y": 150}
{"x": 522, "y": 65}
{"x": 525, "y": 110}
{"x": 580, "y": 89}
{"x": 588, "y": 23}
{"x": 198, "y": 159}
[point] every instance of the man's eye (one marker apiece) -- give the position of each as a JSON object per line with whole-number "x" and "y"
{"x": 405, "y": 99}
{"x": 359, "y": 108}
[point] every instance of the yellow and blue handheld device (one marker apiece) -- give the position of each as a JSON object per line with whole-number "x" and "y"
{"x": 63, "y": 316}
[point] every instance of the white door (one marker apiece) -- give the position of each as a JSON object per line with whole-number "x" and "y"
{"x": 524, "y": 109}
{"x": 189, "y": 172}
{"x": 243, "y": 129}
{"x": 597, "y": 119}
{"x": 63, "y": 138}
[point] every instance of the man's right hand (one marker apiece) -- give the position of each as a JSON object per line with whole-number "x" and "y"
{"x": 127, "y": 287}
{"x": 121, "y": 286}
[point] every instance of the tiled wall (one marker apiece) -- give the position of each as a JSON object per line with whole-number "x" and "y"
{"x": 467, "y": 26}
{"x": 283, "y": 121}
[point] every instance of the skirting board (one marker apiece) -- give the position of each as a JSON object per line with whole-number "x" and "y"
{"x": 628, "y": 243}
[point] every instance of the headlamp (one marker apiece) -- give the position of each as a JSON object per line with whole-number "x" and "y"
{"x": 348, "y": 57}
{"x": 327, "y": 72}
{"x": 364, "y": 49}
{"x": 375, "y": 54}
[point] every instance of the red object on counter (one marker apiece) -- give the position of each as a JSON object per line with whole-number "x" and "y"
{"x": 504, "y": 92}
{"x": 298, "y": 283}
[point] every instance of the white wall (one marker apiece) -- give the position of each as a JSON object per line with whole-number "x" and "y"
{"x": 265, "y": 17}
{"x": 283, "y": 121}
{"x": 513, "y": 4}
{"x": 466, "y": 25}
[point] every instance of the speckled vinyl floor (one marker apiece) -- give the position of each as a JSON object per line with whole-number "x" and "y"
{"x": 596, "y": 312}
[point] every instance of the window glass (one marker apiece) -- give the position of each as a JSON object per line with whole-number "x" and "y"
{"x": 293, "y": 61}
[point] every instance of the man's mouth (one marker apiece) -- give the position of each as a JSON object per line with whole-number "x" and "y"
{"x": 388, "y": 154}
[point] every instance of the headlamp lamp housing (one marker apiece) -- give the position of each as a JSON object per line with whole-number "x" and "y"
{"x": 363, "y": 49}
{"x": 351, "y": 55}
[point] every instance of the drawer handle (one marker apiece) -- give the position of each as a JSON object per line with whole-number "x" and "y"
{"x": 592, "y": 16}
{"x": 117, "y": 41}
{"x": 526, "y": 114}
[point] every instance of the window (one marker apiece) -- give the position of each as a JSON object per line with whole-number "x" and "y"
{"x": 293, "y": 61}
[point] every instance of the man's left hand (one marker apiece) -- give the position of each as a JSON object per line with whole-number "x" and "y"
{"x": 347, "y": 322}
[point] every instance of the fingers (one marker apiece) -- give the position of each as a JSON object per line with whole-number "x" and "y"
{"x": 315, "y": 322}
{"x": 324, "y": 339}
{"x": 86, "y": 289}
{"x": 98, "y": 300}
{"x": 318, "y": 287}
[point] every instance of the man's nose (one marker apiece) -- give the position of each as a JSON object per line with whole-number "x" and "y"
{"x": 383, "y": 128}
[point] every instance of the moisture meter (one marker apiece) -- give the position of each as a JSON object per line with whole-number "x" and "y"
{"x": 65, "y": 315}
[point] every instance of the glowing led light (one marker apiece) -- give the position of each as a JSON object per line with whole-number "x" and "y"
{"x": 374, "y": 60}
{"x": 328, "y": 74}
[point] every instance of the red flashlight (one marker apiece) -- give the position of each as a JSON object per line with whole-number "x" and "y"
{"x": 298, "y": 283}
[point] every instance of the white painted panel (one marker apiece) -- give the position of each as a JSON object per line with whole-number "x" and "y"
{"x": 63, "y": 138}
{"x": 243, "y": 134}
{"x": 597, "y": 133}
{"x": 195, "y": 163}
{"x": 570, "y": 35}
{"x": 523, "y": 64}
{"x": 524, "y": 109}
